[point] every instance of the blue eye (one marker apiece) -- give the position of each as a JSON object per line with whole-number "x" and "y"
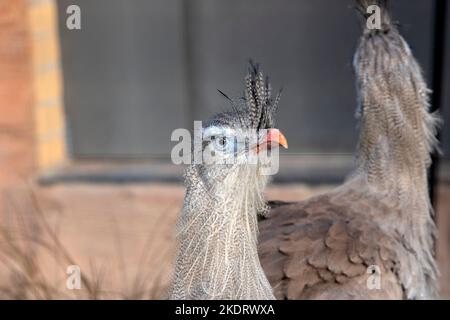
{"x": 221, "y": 143}
{"x": 221, "y": 139}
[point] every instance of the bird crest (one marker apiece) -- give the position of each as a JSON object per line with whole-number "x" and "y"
{"x": 259, "y": 107}
{"x": 258, "y": 97}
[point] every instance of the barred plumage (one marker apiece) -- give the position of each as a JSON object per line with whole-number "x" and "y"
{"x": 258, "y": 96}
{"x": 321, "y": 248}
{"x": 381, "y": 216}
{"x": 217, "y": 230}
{"x": 397, "y": 130}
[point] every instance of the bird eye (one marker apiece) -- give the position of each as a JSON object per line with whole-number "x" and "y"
{"x": 221, "y": 143}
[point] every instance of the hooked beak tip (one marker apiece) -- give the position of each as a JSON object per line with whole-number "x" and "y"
{"x": 275, "y": 135}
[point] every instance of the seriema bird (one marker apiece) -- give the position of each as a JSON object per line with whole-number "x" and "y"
{"x": 378, "y": 223}
{"x": 217, "y": 230}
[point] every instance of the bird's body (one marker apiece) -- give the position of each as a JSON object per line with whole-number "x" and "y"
{"x": 378, "y": 223}
{"x": 350, "y": 243}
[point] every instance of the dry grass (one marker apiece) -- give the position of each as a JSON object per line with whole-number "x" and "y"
{"x": 33, "y": 260}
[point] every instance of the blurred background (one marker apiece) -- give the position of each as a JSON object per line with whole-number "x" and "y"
{"x": 86, "y": 119}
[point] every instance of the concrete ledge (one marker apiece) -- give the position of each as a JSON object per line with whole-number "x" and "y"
{"x": 309, "y": 169}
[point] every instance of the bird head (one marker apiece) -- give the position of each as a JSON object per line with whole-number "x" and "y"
{"x": 242, "y": 143}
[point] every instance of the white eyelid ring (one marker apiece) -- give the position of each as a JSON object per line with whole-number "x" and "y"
{"x": 216, "y": 131}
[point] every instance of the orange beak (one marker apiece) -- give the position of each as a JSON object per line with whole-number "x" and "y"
{"x": 273, "y": 136}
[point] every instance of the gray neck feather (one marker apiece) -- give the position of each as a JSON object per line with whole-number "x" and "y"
{"x": 397, "y": 136}
{"x": 217, "y": 233}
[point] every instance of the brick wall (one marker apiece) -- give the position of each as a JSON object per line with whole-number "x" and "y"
{"x": 17, "y": 149}
{"x": 32, "y": 131}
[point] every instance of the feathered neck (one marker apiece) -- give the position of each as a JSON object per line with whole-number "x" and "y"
{"x": 396, "y": 139}
{"x": 217, "y": 233}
